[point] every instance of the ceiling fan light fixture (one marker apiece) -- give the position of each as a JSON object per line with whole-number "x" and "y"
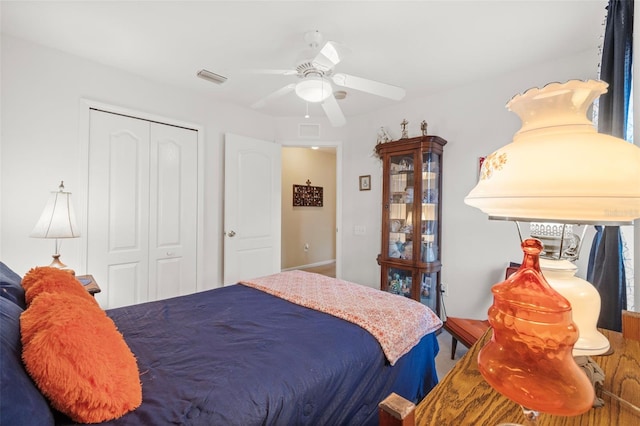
{"x": 340, "y": 94}
{"x": 313, "y": 89}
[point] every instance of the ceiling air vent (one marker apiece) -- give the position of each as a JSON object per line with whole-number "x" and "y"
{"x": 211, "y": 76}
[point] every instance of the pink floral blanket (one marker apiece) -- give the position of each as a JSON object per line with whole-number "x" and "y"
{"x": 396, "y": 322}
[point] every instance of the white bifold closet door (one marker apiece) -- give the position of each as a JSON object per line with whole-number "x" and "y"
{"x": 142, "y": 209}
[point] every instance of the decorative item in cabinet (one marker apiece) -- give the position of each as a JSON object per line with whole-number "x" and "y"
{"x": 411, "y": 218}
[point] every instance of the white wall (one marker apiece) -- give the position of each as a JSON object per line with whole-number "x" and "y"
{"x": 41, "y": 92}
{"x": 474, "y": 121}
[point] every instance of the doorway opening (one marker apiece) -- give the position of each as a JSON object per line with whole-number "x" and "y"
{"x": 310, "y": 234}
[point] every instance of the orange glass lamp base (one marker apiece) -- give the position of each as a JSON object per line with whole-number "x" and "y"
{"x": 529, "y": 358}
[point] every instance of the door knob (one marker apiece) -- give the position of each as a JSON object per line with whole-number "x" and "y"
{"x": 231, "y": 233}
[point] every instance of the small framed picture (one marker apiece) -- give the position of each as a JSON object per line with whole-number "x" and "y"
{"x": 365, "y": 183}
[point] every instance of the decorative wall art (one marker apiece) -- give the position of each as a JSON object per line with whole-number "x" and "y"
{"x": 365, "y": 183}
{"x": 307, "y": 195}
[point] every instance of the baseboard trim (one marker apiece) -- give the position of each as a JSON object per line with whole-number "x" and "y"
{"x": 310, "y": 265}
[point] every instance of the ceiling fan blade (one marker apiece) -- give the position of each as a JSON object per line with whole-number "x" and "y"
{"x": 280, "y": 92}
{"x": 270, "y": 71}
{"x": 364, "y": 85}
{"x": 333, "y": 111}
{"x": 330, "y": 55}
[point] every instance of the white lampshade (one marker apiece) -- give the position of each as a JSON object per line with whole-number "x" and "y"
{"x": 558, "y": 167}
{"x": 58, "y": 219}
{"x": 313, "y": 89}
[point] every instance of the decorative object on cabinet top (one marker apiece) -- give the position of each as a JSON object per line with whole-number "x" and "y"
{"x": 423, "y": 127}
{"x": 403, "y": 125}
{"x": 383, "y": 136}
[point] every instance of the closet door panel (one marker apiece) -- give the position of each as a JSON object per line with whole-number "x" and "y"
{"x": 169, "y": 272}
{"x": 118, "y": 208}
{"x": 124, "y": 186}
{"x": 124, "y": 279}
{"x": 173, "y": 212}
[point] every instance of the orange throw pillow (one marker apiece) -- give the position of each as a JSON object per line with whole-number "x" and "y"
{"x": 52, "y": 280}
{"x": 78, "y": 358}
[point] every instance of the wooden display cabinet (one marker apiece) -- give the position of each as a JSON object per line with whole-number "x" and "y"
{"x": 411, "y": 218}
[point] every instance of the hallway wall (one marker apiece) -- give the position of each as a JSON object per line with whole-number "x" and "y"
{"x": 314, "y": 226}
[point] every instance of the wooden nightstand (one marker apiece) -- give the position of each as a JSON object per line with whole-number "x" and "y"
{"x": 463, "y": 397}
{"x": 89, "y": 284}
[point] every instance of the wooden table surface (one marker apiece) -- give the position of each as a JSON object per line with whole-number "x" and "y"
{"x": 463, "y": 397}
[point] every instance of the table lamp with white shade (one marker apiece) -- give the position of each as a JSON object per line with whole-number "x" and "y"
{"x": 558, "y": 169}
{"x": 57, "y": 221}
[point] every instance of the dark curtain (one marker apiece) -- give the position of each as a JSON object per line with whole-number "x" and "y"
{"x": 606, "y": 269}
{"x": 606, "y": 273}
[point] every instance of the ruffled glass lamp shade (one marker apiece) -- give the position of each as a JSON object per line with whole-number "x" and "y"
{"x": 529, "y": 357}
{"x": 558, "y": 167}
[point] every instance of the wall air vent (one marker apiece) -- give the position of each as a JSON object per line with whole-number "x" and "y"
{"x": 211, "y": 76}
{"x": 309, "y": 131}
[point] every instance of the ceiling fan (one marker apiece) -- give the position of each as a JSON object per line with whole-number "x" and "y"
{"x": 316, "y": 72}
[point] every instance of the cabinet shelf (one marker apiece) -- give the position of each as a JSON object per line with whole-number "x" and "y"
{"x": 411, "y": 218}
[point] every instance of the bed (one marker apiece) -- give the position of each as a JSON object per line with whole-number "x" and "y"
{"x": 240, "y": 355}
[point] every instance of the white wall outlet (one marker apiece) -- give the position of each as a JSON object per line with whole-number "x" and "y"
{"x": 306, "y": 246}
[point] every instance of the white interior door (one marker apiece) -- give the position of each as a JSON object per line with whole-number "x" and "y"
{"x": 251, "y": 208}
{"x": 118, "y": 207}
{"x": 142, "y": 209}
{"x": 173, "y": 211}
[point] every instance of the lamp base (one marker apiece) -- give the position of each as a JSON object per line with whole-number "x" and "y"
{"x": 56, "y": 263}
{"x": 590, "y": 351}
{"x": 585, "y": 305}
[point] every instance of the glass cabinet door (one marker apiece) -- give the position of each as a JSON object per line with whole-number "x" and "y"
{"x": 401, "y": 199}
{"x": 428, "y": 289}
{"x": 429, "y": 238}
{"x": 399, "y": 281}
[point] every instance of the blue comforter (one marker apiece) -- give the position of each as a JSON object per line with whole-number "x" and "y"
{"x": 238, "y": 356}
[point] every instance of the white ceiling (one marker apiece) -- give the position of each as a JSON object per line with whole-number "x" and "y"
{"x": 422, "y": 46}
